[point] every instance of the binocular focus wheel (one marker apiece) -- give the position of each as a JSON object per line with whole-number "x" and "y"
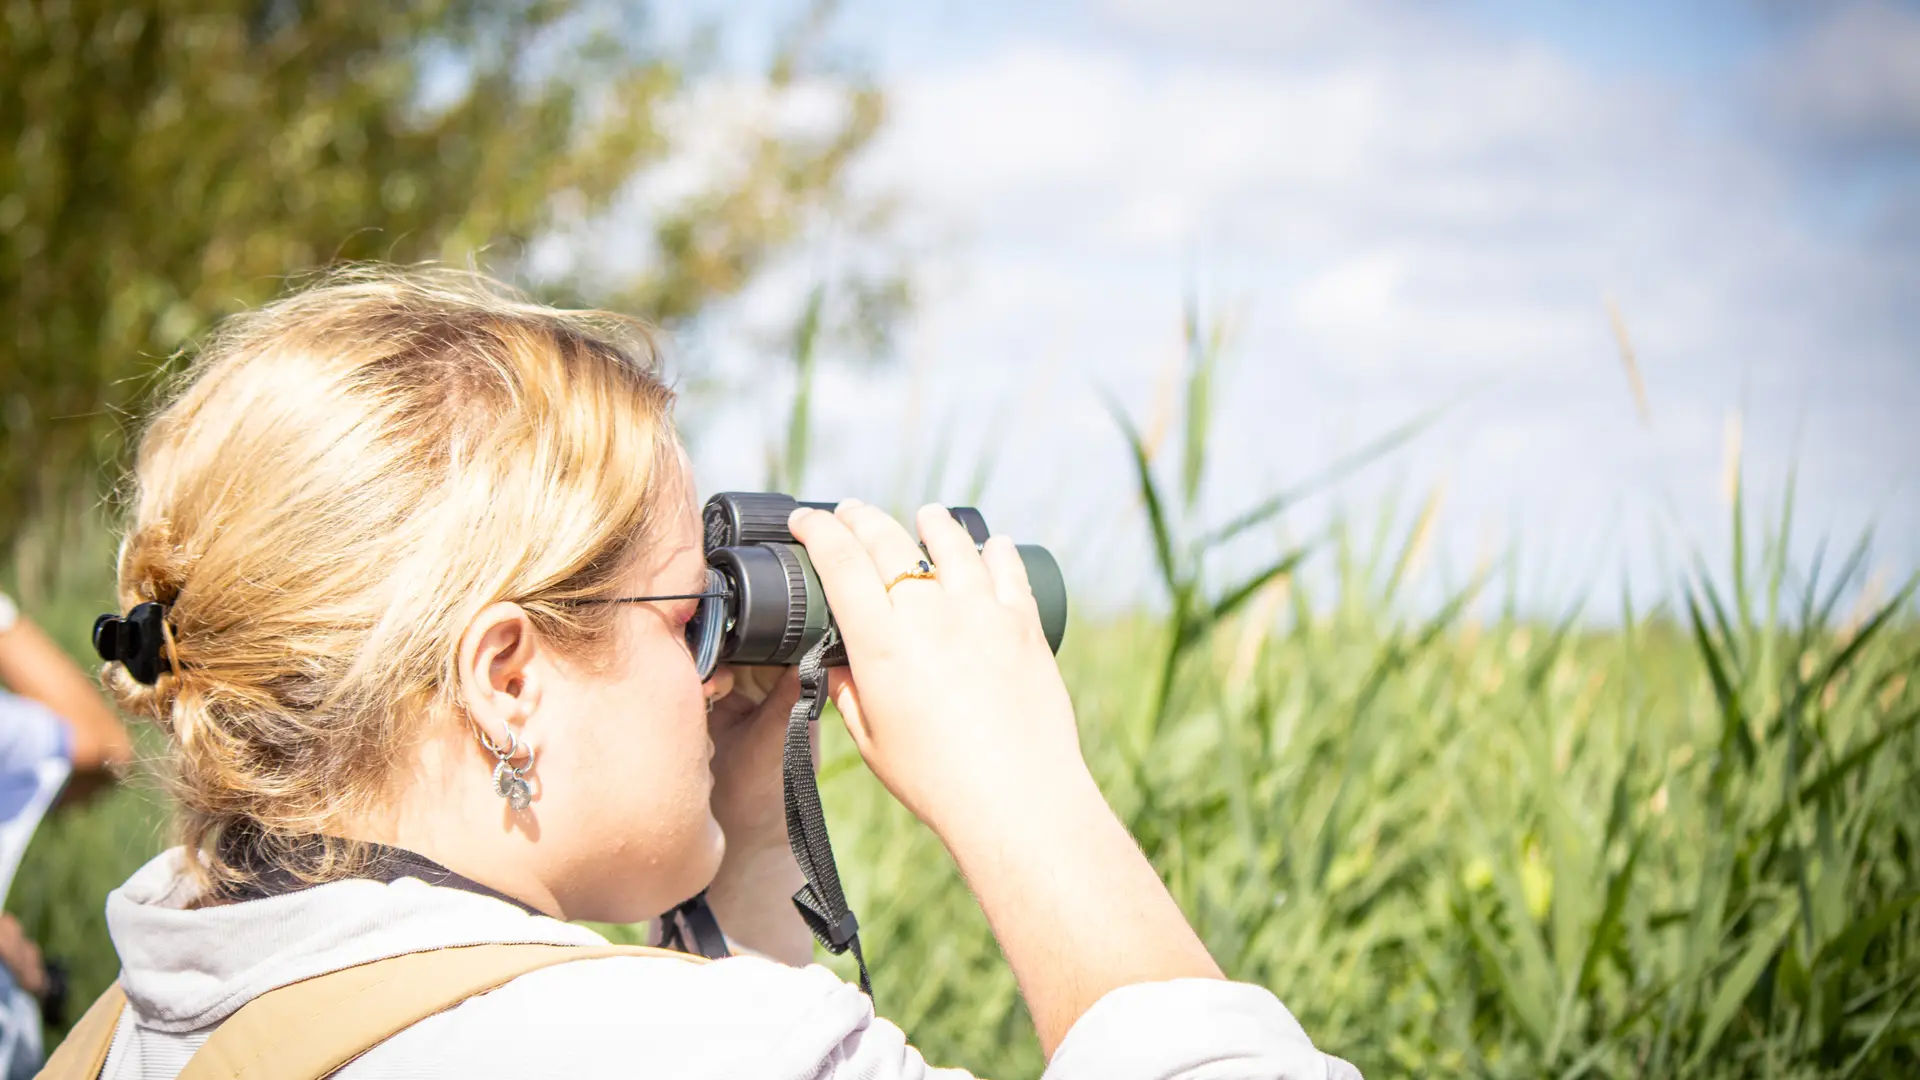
{"x": 796, "y": 599}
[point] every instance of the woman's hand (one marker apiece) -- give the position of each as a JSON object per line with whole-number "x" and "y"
{"x": 751, "y": 893}
{"x": 749, "y": 729}
{"x": 21, "y": 957}
{"x": 957, "y": 705}
{"x": 955, "y": 700}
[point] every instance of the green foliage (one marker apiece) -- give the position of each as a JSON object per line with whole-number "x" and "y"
{"x": 1496, "y": 850}
{"x": 163, "y": 164}
{"x": 1678, "y": 847}
{"x": 1182, "y": 560}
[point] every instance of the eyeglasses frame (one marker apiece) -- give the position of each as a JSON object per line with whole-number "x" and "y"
{"x": 708, "y": 595}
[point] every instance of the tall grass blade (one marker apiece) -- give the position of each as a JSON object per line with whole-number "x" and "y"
{"x": 1237, "y": 596}
{"x": 1777, "y": 561}
{"x": 1629, "y": 359}
{"x": 1520, "y": 980}
{"x": 1846, "y": 949}
{"x": 1203, "y": 347}
{"x": 1730, "y": 636}
{"x": 1415, "y": 546}
{"x": 806, "y": 339}
{"x": 1268, "y": 509}
{"x": 1880, "y": 1030}
{"x": 1867, "y": 631}
{"x": 1849, "y": 571}
{"x": 1620, "y": 883}
{"x": 1733, "y": 729}
{"x": 1392, "y": 656}
{"x": 1742, "y": 598}
{"x": 1828, "y": 780}
{"x": 1149, "y": 490}
{"x": 1761, "y": 950}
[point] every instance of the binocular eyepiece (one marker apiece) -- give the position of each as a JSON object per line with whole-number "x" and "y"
{"x": 775, "y": 609}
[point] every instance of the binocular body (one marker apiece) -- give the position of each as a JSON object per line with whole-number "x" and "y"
{"x": 776, "y": 609}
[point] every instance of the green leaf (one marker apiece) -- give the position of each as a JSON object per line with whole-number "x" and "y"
{"x": 1237, "y": 596}
{"x": 1733, "y": 724}
{"x": 1619, "y": 885}
{"x": 1880, "y": 1029}
{"x": 806, "y": 337}
{"x": 1761, "y": 949}
{"x": 1867, "y": 632}
{"x": 1203, "y": 356}
{"x": 1742, "y": 599}
{"x": 1830, "y": 778}
{"x": 1149, "y": 490}
{"x": 1605, "y": 931}
{"x": 1519, "y": 972}
{"x": 1267, "y": 509}
{"x": 1848, "y": 571}
{"x": 1729, "y": 635}
{"x": 1845, "y": 950}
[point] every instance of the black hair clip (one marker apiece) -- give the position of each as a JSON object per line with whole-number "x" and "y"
{"x": 136, "y": 642}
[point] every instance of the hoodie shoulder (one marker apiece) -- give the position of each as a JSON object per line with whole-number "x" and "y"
{"x": 643, "y": 1016}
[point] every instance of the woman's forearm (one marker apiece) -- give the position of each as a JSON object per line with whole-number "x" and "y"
{"x": 32, "y": 666}
{"x": 1076, "y": 907}
{"x": 957, "y": 705}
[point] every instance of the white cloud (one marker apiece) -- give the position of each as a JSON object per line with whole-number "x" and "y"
{"x": 1409, "y": 218}
{"x": 1271, "y": 30}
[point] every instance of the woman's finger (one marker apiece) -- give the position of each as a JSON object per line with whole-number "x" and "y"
{"x": 1009, "y": 572}
{"x": 892, "y": 550}
{"x": 853, "y": 587}
{"x": 781, "y": 691}
{"x": 846, "y": 698}
{"x": 755, "y": 681}
{"x": 952, "y": 549}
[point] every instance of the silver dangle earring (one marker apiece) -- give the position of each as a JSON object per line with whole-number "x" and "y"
{"x": 510, "y": 780}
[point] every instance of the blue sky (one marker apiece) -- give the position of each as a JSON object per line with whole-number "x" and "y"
{"x": 1401, "y": 207}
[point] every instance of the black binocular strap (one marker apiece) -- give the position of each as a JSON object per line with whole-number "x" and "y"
{"x": 691, "y": 928}
{"x": 821, "y": 901}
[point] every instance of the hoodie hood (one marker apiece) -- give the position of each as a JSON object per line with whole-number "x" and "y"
{"x": 186, "y": 968}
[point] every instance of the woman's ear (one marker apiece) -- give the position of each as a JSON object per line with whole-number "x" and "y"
{"x": 499, "y": 680}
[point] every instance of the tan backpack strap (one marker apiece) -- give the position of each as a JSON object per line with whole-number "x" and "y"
{"x": 83, "y": 1053}
{"x": 306, "y": 1030}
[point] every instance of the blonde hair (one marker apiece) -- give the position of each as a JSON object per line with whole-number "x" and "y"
{"x": 345, "y": 479}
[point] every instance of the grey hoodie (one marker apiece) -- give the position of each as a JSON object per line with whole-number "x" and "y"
{"x": 187, "y": 970}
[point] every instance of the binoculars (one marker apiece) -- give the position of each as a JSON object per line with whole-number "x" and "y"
{"x": 767, "y": 606}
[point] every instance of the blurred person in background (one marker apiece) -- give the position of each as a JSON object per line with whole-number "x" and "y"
{"x": 415, "y": 565}
{"x": 58, "y": 740}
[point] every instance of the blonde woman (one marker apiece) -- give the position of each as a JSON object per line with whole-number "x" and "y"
{"x": 374, "y": 537}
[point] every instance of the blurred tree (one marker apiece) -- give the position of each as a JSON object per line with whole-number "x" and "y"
{"x": 164, "y": 162}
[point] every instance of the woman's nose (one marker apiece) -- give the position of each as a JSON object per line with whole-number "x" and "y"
{"x": 719, "y": 684}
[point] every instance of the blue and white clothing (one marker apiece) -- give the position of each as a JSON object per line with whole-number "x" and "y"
{"x": 36, "y": 755}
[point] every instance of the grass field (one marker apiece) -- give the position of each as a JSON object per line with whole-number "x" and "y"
{"x": 1680, "y": 848}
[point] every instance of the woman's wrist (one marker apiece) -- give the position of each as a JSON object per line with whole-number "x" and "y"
{"x": 1012, "y": 810}
{"x": 1073, "y": 902}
